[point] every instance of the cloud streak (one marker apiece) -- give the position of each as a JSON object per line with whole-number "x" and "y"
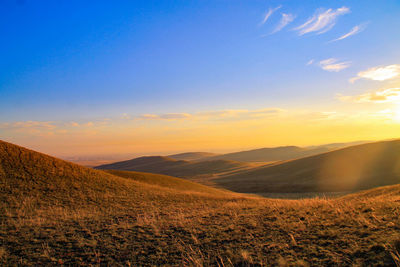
{"x": 333, "y": 65}
{"x": 355, "y": 30}
{"x": 391, "y": 95}
{"x": 310, "y": 62}
{"x": 380, "y": 73}
{"x": 322, "y": 21}
{"x": 269, "y": 13}
{"x": 166, "y": 116}
{"x": 218, "y": 114}
{"x": 285, "y": 20}
{"x": 49, "y": 125}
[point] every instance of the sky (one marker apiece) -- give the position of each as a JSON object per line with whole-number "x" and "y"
{"x": 159, "y": 77}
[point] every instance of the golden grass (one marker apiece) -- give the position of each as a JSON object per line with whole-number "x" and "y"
{"x": 57, "y": 213}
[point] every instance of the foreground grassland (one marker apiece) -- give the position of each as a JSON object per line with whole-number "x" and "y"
{"x": 55, "y": 212}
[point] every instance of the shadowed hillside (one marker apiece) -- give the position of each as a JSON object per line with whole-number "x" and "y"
{"x": 165, "y": 181}
{"x": 154, "y": 164}
{"x": 59, "y": 213}
{"x": 281, "y": 153}
{"x": 349, "y": 169}
{"x": 177, "y": 168}
{"x": 192, "y": 156}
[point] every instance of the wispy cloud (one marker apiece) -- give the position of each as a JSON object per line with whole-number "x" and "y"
{"x": 380, "y": 96}
{"x": 322, "y": 21}
{"x": 310, "y": 62}
{"x": 285, "y": 20}
{"x": 269, "y": 13}
{"x": 353, "y": 31}
{"x": 167, "y": 116}
{"x": 217, "y": 114}
{"x": 333, "y": 65}
{"x": 36, "y": 128}
{"x": 28, "y": 124}
{"x": 380, "y": 73}
{"x": 263, "y": 112}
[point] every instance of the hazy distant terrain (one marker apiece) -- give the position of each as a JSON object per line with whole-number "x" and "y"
{"x": 294, "y": 172}
{"x": 59, "y": 213}
{"x": 178, "y": 168}
{"x": 349, "y": 169}
{"x": 255, "y": 155}
{"x": 192, "y": 156}
{"x": 281, "y": 153}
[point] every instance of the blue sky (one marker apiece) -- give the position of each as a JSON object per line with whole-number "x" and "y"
{"x": 87, "y": 60}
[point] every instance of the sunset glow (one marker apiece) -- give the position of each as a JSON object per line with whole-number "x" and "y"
{"x": 216, "y": 77}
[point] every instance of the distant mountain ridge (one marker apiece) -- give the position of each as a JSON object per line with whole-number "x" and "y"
{"x": 281, "y": 153}
{"x": 201, "y": 164}
{"x": 271, "y": 154}
{"x": 192, "y": 156}
{"x": 173, "y": 167}
{"x": 348, "y": 169}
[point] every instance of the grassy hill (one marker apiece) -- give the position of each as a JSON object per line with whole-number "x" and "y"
{"x": 165, "y": 181}
{"x": 192, "y": 156}
{"x": 154, "y": 164}
{"x": 280, "y": 153}
{"x": 177, "y": 168}
{"x": 58, "y": 213}
{"x": 349, "y": 169}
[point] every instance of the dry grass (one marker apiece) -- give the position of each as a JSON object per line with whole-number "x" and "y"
{"x": 54, "y": 212}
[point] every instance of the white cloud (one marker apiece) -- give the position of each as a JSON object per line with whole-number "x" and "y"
{"x": 391, "y": 95}
{"x": 269, "y": 13}
{"x": 285, "y": 20}
{"x": 379, "y": 73}
{"x": 322, "y": 21}
{"x": 332, "y": 64}
{"x": 310, "y": 62}
{"x": 353, "y": 31}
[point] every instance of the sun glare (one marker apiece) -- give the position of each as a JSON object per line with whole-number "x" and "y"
{"x": 397, "y": 114}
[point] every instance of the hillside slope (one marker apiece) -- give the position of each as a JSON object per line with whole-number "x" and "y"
{"x": 59, "y": 213}
{"x": 271, "y": 154}
{"x": 192, "y": 156}
{"x": 177, "y": 168}
{"x": 25, "y": 172}
{"x": 156, "y": 163}
{"x": 349, "y": 169}
{"x": 165, "y": 181}
{"x": 281, "y": 153}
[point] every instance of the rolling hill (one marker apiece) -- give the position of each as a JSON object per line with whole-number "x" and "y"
{"x": 177, "y": 168}
{"x": 192, "y": 156}
{"x": 281, "y": 153}
{"x": 349, "y": 169}
{"x": 59, "y": 213}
